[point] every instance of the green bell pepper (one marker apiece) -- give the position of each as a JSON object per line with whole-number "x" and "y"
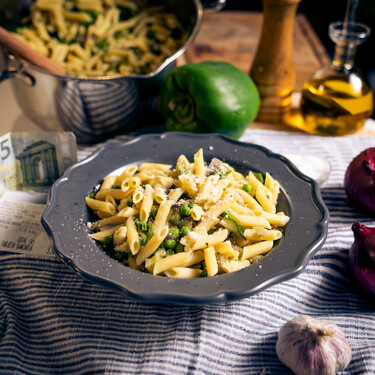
{"x": 212, "y": 96}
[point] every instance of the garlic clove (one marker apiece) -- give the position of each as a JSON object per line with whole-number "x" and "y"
{"x": 312, "y": 347}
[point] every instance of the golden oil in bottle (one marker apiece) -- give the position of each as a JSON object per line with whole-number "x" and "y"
{"x": 336, "y": 104}
{"x": 337, "y": 100}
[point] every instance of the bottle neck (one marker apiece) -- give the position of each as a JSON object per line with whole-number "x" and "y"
{"x": 344, "y": 56}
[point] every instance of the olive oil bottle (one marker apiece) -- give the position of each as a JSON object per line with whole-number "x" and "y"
{"x": 337, "y": 100}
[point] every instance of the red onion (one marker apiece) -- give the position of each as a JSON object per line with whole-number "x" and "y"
{"x": 362, "y": 257}
{"x": 359, "y": 181}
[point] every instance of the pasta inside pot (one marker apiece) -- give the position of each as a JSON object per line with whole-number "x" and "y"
{"x": 96, "y": 38}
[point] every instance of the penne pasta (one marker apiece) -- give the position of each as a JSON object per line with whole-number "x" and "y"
{"x": 195, "y": 258}
{"x": 108, "y": 182}
{"x": 162, "y": 214}
{"x": 138, "y": 195}
{"x": 183, "y": 272}
{"x": 258, "y": 248}
{"x": 152, "y": 245}
{"x": 147, "y": 201}
{"x": 226, "y": 249}
{"x": 128, "y": 172}
{"x": 182, "y": 164}
{"x": 95, "y": 38}
{"x": 235, "y": 265}
{"x": 114, "y": 193}
{"x": 264, "y": 197}
{"x": 201, "y": 242}
{"x": 111, "y": 220}
{"x": 273, "y": 186}
{"x": 128, "y": 212}
{"x": 132, "y": 236}
{"x": 157, "y": 166}
{"x": 119, "y": 236}
{"x": 130, "y": 183}
{"x": 199, "y": 168}
{"x": 261, "y": 234}
{"x": 172, "y": 261}
{"x": 250, "y": 220}
{"x": 192, "y": 221}
{"x": 98, "y": 205}
{"x": 210, "y": 260}
{"x": 279, "y": 219}
{"x": 102, "y": 235}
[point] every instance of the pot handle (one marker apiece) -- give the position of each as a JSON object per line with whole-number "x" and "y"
{"x": 213, "y": 6}
{"x": 17, "y": 73}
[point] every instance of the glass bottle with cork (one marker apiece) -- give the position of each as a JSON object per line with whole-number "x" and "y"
{"x": 337, "y": 100}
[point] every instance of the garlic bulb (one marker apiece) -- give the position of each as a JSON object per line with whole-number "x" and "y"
{"x": 312, "y": 347}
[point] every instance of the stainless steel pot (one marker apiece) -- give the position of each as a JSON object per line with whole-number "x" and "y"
{"x": 94, "y": 108}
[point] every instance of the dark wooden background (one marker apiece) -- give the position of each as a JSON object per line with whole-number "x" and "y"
{"x": 320, "y": 14}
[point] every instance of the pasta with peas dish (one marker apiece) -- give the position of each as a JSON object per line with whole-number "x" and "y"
{"x": 96, "y": 38}
{"x": 193, "y": 220}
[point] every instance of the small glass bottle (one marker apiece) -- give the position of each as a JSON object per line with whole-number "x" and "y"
{"x": 337, "y": 100}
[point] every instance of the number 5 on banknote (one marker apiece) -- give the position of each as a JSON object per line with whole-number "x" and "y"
{"x": 34, "y": 160}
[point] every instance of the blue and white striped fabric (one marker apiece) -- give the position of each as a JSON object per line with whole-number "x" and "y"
{"x": 54, "y": 322}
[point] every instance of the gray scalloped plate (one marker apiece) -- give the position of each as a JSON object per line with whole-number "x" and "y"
{"x": 66, "y": 215}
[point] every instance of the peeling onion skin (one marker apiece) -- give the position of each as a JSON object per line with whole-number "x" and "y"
{"x": 359, "y": 181}
{"x": 362, "y": 257}
{"x": 312, "y": 347}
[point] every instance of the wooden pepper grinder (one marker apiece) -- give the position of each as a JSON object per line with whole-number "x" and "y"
{"x": 273, "y": 69}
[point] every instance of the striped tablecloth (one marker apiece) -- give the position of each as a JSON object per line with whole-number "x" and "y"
{"x": 54, "y": 322}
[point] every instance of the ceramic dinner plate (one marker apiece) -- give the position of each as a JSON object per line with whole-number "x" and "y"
{"x": 66, "y": 216}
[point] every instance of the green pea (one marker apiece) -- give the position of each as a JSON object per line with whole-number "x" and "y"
{"x": 175, "y": 232}
{"x": 142, "y": 226}
{"x": 180, "y": 248}
{"x": 184, "y": 231}
{"x": 170, "y": 252}
{"x": 117, "y": 35}
{"x": 108, "y": 241}
{"x": 246, "y": 187}
{"x": 150, "y": 34}
{"x": 94, "y": 15}
{"x": 170, "y": 244}
{"x": 121, "y": 256}
{"x": 143, "y": 239}
{"x": 185, "y": 210}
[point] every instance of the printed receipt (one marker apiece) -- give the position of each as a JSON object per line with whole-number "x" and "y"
{"x": 20, "y": 228}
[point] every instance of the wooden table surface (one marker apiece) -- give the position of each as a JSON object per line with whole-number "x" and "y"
{"x": 234, "y": 36}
